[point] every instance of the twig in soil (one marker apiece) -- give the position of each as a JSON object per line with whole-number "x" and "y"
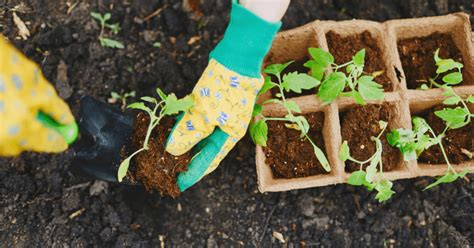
{"x": 77, "y": 186}
{"x": 267, "y": 221}
{"x": 76, "y": 213}
{"x": 155, "y": 13}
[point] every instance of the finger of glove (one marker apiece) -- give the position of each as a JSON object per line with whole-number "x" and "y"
{"x": 50, "y": 103}
{"x": 187, "y": 132}
{"x": 210, "y": 152}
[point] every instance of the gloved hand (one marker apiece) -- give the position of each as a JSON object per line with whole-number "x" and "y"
{"x": 225, "y": 94}
{"x": 27, "y": 101}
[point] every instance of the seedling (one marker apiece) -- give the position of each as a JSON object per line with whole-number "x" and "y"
{"x": 116, "y": 97}
{"x": 114, "y": 28}
{"x": 413, "y": 142}
{"x": 295, "y": 82}
{"x": 368, "y": 178}
{"x": 362, "y": 87}
{"x": 165, "y": 106}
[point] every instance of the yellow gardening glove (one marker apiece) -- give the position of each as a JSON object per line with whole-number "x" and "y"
{"x": 25, "y": 96}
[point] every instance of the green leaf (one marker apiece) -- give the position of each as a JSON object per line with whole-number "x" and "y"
{"x": 148, "y": 99}
{"x": 404, "y": 140}
{"x": 320, "y": 56}
{"x": 436, "y": 56}
{"x": 454, "y": 100}
{"x": 276, "y": 101}
{"x": 257, "y": 110}
{"x": 157, "y": 44}
{"x": 174, "y": 106}
{"x": 424, "y": 87}
{"x": 292, "y": 106}
{"x": 259, "y": 132}
{"x": 97, "y": 16}
{"x": 332, "y": 87}
{"x": 106, "y": 42}
{"x": 357, "y": 178}
{"x": 317, "y": 69}
{"x": 140, "y": 106}
{"x": 130, "y": 94}
{"x": 419, "y": 125}
{"x": 115, "y": 95}
{"x": 344, "y": 153}
{"x": 267, "y": 85}
{"x": 371, "y": 171}
{"x": 384, "y": 190}
{"x": 470, "y": 99}
{"x": 454, "y": 118}
{"x": 369, "y": 89}
{"x": 115, "y": 28}
{"x": 359, "y": 58}
{"x": 321, "y": 157}
{"x": 161, "y": 94}
{"x": 123, "y": 168}
{"x": 453, "y": 78}
{"x": 445, "y": 65}
{"x": 300, "y": 121}
{"x": 358, "y": 97}
{"x": 107, "y": 16}
{"x": 276, "y": 69}
{"x": 449, "y": 177}
{"x": 296, "y": 82}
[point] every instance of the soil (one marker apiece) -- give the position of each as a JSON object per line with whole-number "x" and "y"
{"x": 344, "y": 48}
{"x": 455, "y": 141}
{"x": 358, "y": 125}
{"x": 291, "y": 156}
{"x": 155, "y": 168}
{"x": 417, "y": 57}
{"x": 43, "y": 204}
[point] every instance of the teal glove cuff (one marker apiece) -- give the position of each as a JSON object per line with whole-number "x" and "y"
{"x": 246, "y": 42}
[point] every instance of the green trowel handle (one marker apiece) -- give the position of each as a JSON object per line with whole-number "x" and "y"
{"x": 69, "y": 132}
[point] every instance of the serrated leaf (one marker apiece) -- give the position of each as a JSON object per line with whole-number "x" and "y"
{"x": 344, "y": 152}
{"x": 296, "y": 82}
{"x": 173, "y": 105}
{"x": 359, "y": 58}
{"x": 369, "y": 89}
{"x": 317, "y": 70}
{"x": 259, "y": 132}
{"x": 357, "y": 178}
{"x": 453, "y": 78}
{"x": 257, "y": 110}
{"x": 161, "y": 94}
{"x": 267, "y": 85}
{"x": 419, "y": 125}
{"x": 276, "y": 69}
{"x": 445, "y": 65}
{"x": 292, "y": 106}
{"x": 123, "y": 168}
{"x": 454, "y": 118}
{"x": 148, "y": 99}
{"x": 140, "y": 106}
{"x": 320, "y": 56}
{"x": 384, "y": 190}
{"x": 454, "y": 100}
{"x": 331, "y": 87}
{"x": 106, "y": 42}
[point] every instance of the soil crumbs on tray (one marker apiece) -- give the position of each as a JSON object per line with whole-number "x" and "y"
{"x": 156, "y": 168}
{"x": 417, "y": 57}
{"x": 458, "y": 143}
{"x": 291, "y": 156}
{"x": 343, "y": 48}
{"x": 358, "y": 125}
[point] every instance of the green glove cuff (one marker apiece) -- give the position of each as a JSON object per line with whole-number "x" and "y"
{"x": 246, "y": 42}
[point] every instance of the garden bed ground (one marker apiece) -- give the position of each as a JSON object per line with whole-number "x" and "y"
{"x": 42, "y": 204}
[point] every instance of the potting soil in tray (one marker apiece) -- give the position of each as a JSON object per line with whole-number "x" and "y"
{"x": 358, "y": 125}
{"x": 155, "y": 168}
{"x": 291, "y": 156}
{"x": 417, "y": 56}
{"x": 344, "y": 48}
{"x": 458, "y": 143}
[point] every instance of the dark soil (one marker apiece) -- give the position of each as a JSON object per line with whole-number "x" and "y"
{"x": 38, "y": 194}
{"x": 155, "y": 168}
{"x": 455, "y": 141}
{"x": 417, "y": 56}
{"x": 291, "y": 156}
{"x": 344, "y": 48}
{"x": 358, "y": 125}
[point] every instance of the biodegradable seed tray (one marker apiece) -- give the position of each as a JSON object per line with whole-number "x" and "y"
{"x": 404, "y": 103}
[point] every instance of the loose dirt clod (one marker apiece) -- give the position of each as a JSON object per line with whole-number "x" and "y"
{"x": 343, "y": 48}
{"x": 456, "y": 142}
{"x": 155, "y": 168}
{"x": 291, "y": 156}
{"x": 358, "y": 125}
{"x": 416, "y": 55}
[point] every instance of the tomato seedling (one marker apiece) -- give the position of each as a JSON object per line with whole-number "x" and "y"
{"x": 116, "y": 97}
{"x": 368, "y": 178}
{"x": 167, "y": 105}
{"x": 294, "y": 82}
{"x": 114, "y": 28}
{"x": 362, "y": 86}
